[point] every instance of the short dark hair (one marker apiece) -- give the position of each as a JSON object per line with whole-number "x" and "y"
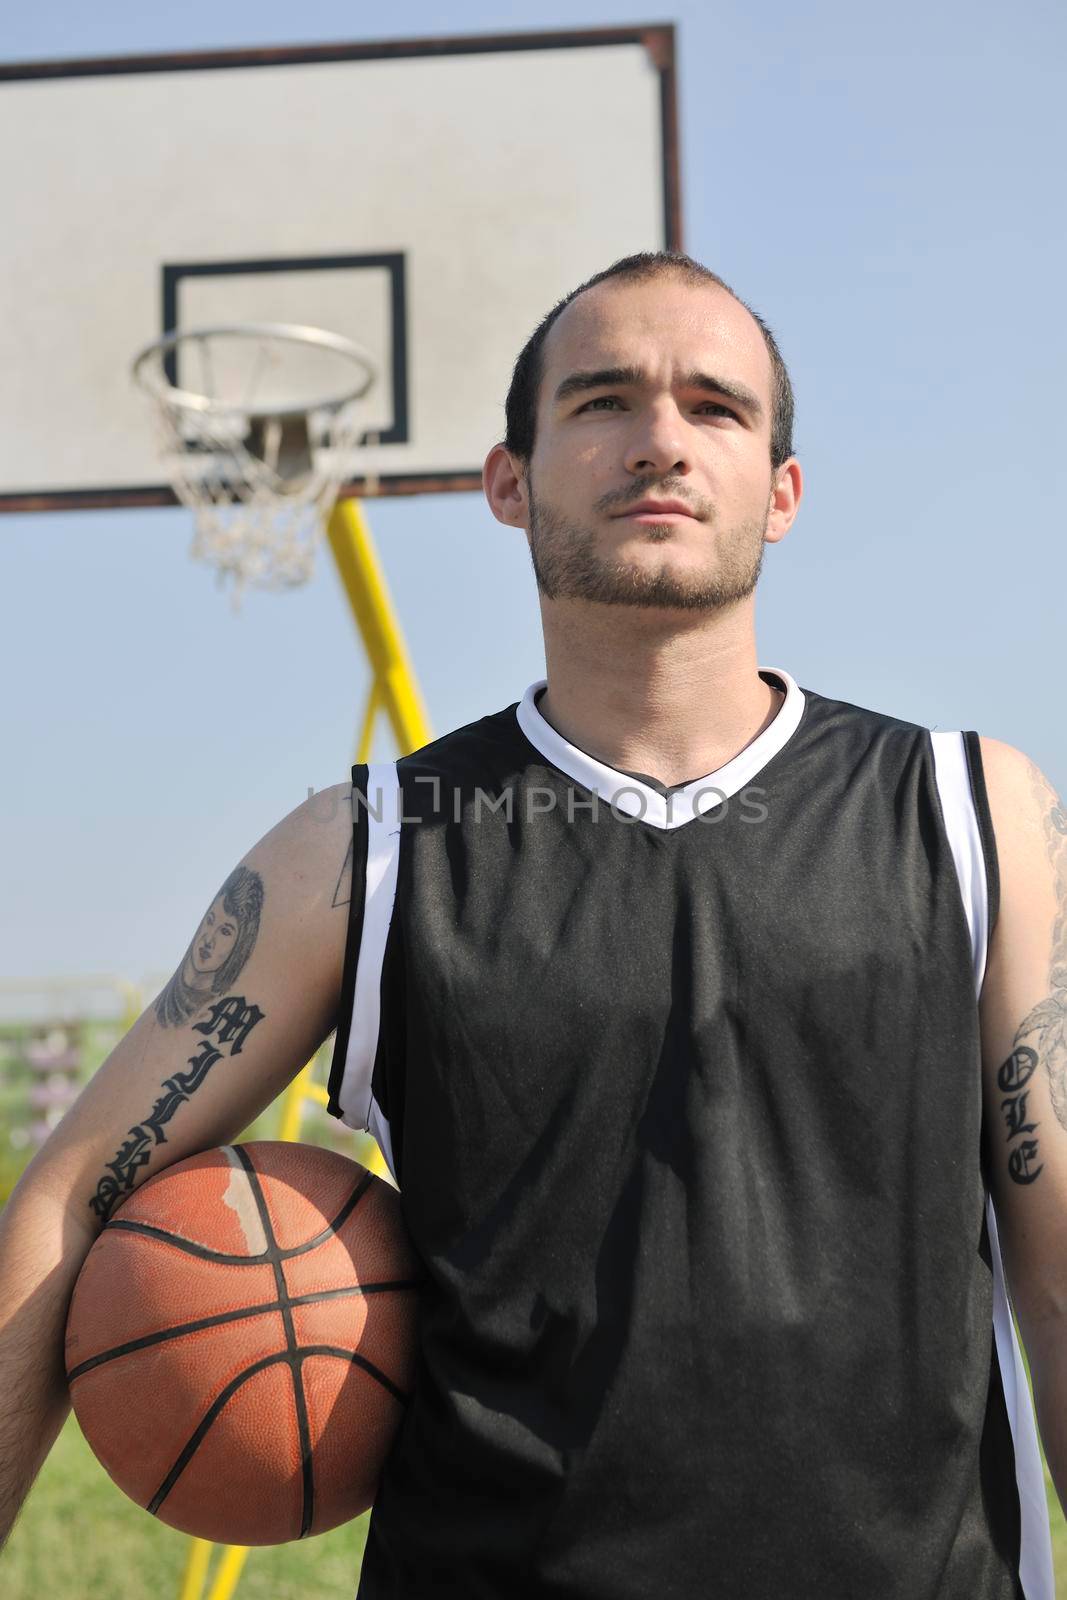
{"x": 521, "y": 405}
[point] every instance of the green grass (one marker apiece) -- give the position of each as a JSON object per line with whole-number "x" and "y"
{"x": 79, "y": 1538}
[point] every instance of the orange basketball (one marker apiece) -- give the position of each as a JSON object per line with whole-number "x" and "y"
{"x": 241, "y": 1341}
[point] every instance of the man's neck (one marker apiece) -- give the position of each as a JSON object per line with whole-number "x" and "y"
{"x": 652, "y": 692}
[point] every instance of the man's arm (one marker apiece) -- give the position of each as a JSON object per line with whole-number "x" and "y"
{"x": 253, "y": 998}
{"x": 1024, "y": 1055}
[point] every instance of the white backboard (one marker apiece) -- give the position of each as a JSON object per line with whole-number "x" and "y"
{"x": 430, "y": 199}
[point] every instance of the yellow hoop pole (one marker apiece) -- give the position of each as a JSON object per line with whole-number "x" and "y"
{"x": 372, "y": 608}
{"x": 366, "y": 732}
{"x": 195, "y": 1569}
{"x": 230, "y": 1568}
{"x": 300, "y": 1089}
{"x": 132, "y": 1003}
{"x": 226, "y": 1576}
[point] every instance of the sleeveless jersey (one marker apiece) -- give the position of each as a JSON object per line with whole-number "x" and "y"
{"x": 682, "y": 1091}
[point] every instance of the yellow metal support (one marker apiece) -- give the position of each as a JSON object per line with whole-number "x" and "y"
{"x": 132, "y": 1003}
{"x": 395, "y": 691}
{"x": 230, "y": 1567}
{"x": 226, "y": 1576}
{"x": 394, "y": 686}
{"x": 366, "y": 730}
{"x": 196, "y": 1569}
{"x": 299, "y": 1090}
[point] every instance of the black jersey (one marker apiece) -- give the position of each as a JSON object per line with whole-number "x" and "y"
{"x": 682, "y": 1091}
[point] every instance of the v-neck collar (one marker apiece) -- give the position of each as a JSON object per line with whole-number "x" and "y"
{"x": 636, "y": 799}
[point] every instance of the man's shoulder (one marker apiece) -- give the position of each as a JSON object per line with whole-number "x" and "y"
{"x": 1023, "y": 802}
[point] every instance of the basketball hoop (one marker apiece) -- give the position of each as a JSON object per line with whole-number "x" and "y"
{"x": 260, "y": 449}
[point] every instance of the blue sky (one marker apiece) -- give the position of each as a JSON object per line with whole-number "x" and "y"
{"x": 884, "y": 186}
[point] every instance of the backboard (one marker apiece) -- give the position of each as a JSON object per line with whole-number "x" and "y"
{"x": 430, "y": 199}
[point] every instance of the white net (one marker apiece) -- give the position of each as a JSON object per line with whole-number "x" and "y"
{"x": 260, "y": 491}
{"x": 261, "y": 485}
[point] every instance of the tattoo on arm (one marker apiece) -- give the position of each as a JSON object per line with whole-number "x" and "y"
{"x": 1012, "y": 1079}
{"x": 343, "y": 892}
{"x": 1048, "y": 1019}
{"x": 230, "y": 1022}
{"x": 220, "y": 948}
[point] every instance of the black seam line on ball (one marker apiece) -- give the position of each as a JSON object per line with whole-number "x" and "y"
{"x": 237, "y": 1315}
{"x": 274, "y": 1255}
{"x": 204, "y": 1424}
{"x": 354, "y": 1359}
{"x": 360, "y": 1361}
{"x": 206, "y": 1253}
{"x": 242, "y": 1377}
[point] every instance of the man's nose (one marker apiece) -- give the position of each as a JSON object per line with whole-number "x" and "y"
{"x": 657, "y": 444}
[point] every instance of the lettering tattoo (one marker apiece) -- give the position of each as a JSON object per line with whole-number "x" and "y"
{"x": 230, "y": 1022}
{"x": 1012, "y": 1079}
{"x": 1048, "y": 1019}
{"x": 219, "y": 950}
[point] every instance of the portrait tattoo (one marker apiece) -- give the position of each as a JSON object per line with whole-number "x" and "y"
{"x": 230, "y": 1022}
{"x": 1046, "y": 1024}
{"x": 220, "y": 948}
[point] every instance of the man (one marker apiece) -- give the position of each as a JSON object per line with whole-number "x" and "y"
{"x": 698, "y": 1016}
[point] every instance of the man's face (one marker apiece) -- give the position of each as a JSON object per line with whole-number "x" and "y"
{"x": 214, "y": 940}
{"x": 652, "y": 391}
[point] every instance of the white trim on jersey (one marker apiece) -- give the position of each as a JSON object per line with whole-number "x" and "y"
{"x": 383, "y": 853}
{"x": 961, "y": 823}
{"x": 1035, "y": 1547}
{"x": 964, "y": 836}
{"x": 637, "y": 799}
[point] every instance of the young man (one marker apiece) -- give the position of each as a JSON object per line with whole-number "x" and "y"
{"x": 703, "y": 1021}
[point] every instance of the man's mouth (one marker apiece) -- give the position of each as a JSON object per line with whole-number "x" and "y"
{"x": 659, "y": 510}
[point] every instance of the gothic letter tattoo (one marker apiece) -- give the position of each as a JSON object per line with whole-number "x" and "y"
{"x": 1048, "y": 1019}
{"x": 223, "y": 943}
{"x": 231, "y": 1022}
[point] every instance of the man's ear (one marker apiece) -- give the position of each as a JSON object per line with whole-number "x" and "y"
{"x": 505, "y": 485}
{"x": 785, "y": 500}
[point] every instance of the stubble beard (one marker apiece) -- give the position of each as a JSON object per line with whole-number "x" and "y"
{"x": 567, "y": 566}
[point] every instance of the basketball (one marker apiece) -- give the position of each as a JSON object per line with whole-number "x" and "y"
{"x": 240, "y": 1343}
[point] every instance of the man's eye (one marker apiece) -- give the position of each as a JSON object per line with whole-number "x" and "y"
{"x": 613, "y": 400}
